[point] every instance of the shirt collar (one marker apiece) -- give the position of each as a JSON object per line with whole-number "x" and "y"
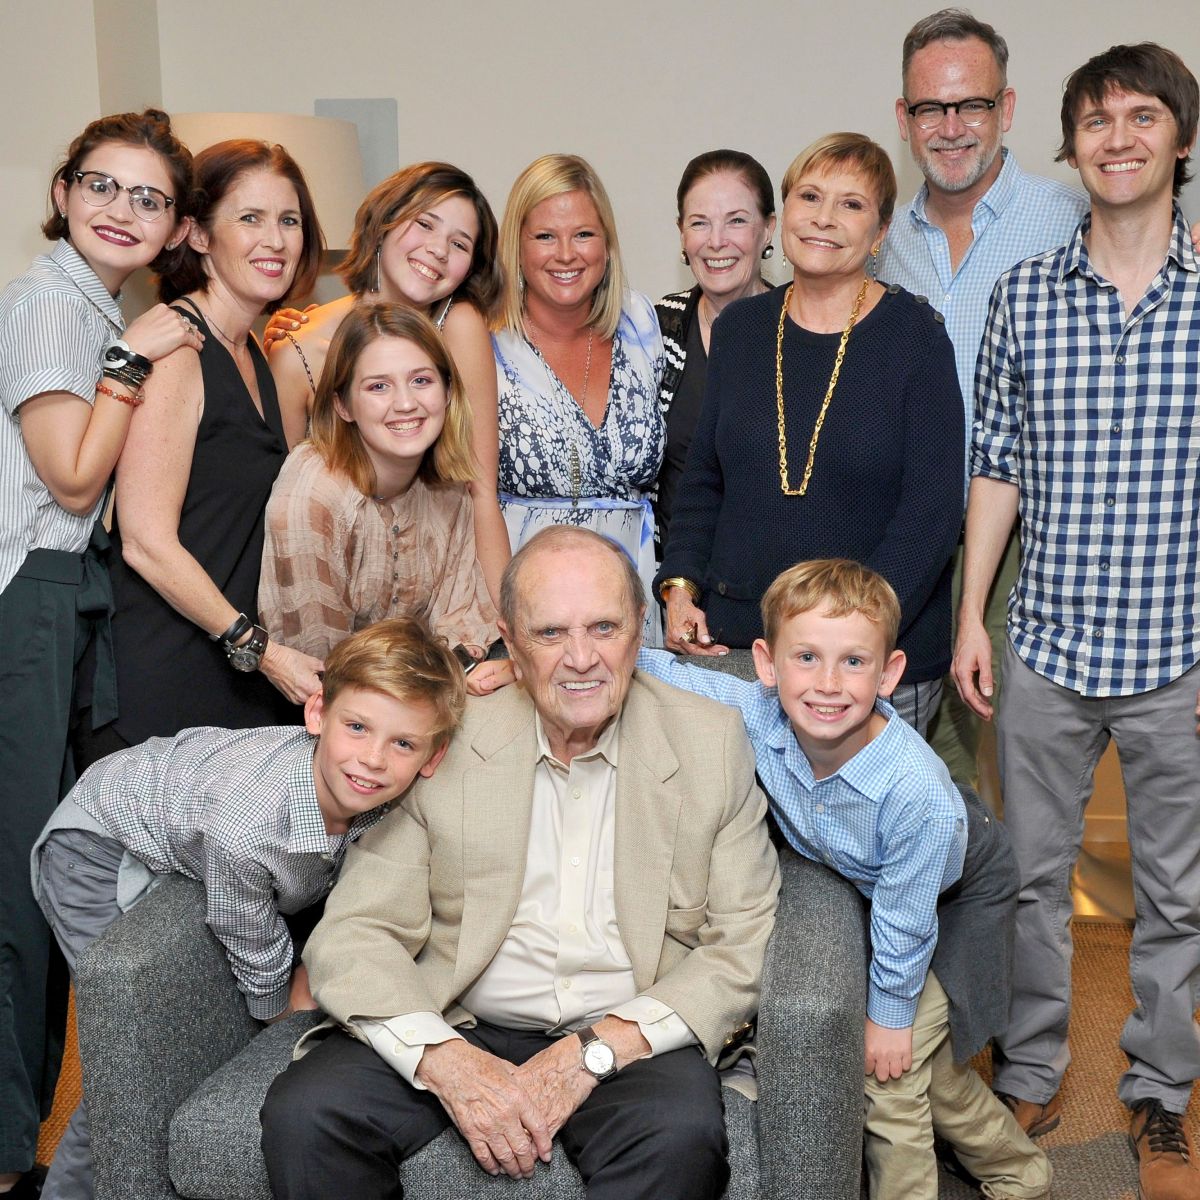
{"x": 606, "y": 746}
{"x": 996, "y": 199}
{"x": 72, "y": 264}
{"x": 1179, "y": 249}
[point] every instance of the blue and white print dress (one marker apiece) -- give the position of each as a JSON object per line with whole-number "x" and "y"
{"x": 557, "y": 468}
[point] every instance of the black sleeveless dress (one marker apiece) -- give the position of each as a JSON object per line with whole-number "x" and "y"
{"x": 170, "y": 674}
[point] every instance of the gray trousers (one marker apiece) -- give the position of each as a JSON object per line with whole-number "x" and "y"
{"x": 1049, "y": 741}
{"x": 78, "y": 893}
{"x": 915, "y": 704}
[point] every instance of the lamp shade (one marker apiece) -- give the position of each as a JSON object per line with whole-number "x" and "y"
{"x": 326, "y": 149}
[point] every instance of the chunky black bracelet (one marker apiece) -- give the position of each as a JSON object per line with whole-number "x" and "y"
{"x": 240, "y": 627}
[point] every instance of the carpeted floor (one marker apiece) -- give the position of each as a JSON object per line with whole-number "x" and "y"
{"x": 1090, "y": 1149}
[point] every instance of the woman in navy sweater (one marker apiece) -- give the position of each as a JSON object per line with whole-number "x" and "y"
{"x": 831, "y": 427}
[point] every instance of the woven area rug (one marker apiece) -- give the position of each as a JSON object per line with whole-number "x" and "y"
{"x": 1090, "y": 1149}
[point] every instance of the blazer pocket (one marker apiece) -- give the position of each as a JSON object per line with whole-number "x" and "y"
{"x": 684, "y": 924}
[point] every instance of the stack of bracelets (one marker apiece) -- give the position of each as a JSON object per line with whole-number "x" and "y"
{"x": 125, "y": 366}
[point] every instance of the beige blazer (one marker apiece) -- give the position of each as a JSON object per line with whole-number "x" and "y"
{"x": 427, "y": 896}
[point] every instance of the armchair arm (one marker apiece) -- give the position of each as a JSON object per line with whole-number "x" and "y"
{"x": 158, "y": 1011}
{"x": 810, "y": 1037}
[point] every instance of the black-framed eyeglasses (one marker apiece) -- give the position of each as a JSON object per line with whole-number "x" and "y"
{"x": 972, "y": 112}
{"x": 99, "y": 189}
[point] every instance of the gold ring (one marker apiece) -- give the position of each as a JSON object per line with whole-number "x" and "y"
{"x": 688, "y": 635}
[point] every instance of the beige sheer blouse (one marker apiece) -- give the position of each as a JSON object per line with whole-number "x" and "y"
{"x": 335, "y": 561}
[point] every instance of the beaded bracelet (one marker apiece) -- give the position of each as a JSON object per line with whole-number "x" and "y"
{"x": 132, "y": 399}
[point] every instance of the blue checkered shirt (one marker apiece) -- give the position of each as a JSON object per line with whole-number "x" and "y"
{"x": 890, "y": 821}
{"x": 1020, "y": 215}
{"x": 1094, "y": 416}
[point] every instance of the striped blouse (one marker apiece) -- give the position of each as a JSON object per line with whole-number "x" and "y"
{"x": 55, "y": 321}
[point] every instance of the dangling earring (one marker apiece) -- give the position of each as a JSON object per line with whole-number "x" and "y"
{"x": 683, "y": 258}
{"x": 768, "y": 250}
{"x": 375, "y": 282}
{"x": 521, "y": 282}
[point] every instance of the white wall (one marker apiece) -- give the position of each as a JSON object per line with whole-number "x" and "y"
{"x": 636, "y": 86}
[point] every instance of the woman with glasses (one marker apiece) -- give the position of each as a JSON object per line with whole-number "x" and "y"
{"x": 832, "y": 427}
{"x": 199, "y": 464}
{"x": 71, "y": 376}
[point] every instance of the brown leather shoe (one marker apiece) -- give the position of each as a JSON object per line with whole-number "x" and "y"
{"x": 1032, "y": 1117}
{"x": 1166, "y": 1164}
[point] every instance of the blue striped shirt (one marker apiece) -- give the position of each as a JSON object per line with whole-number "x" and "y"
{"x": 1093, "y": 414}
{"x": 1020, "y": 215}
{"x": 890, "y": 821}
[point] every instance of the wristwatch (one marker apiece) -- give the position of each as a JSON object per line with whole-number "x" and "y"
{"x": 248, "y": 656}
{"x": 598, "y": 1057}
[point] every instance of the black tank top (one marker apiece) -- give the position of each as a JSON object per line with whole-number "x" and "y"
{"x": 170, "y": 674}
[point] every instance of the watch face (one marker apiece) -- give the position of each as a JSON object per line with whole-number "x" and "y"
{"x": 599, "y": 1059}
{"x": 242, "y": 658}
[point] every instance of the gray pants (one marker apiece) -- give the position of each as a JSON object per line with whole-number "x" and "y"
{"x": 78, "y": 894}
{"x": 915, "y": 704}
{"x": 1049, "y": 741}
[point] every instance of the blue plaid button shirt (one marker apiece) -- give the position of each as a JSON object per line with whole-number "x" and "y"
{"x": 1093, "y": 414}
{"x": 1019, "y": 215}
{"x": 890, "y": 821}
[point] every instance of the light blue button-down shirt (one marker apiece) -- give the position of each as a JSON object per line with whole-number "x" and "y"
{"x": 1019, "y": 216}
{"x": 890, "y": 821}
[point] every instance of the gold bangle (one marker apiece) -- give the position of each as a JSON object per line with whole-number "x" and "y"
{"x": 133, "y": 399}
{"x": 677, "y": 581}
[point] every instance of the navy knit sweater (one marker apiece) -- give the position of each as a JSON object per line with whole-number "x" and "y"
{"x": 886, "y": 487}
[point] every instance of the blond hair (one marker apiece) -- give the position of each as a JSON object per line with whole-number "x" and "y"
{"x": 400, "y": 658}
{"x": 853, "y": 150}
{"x": 554, "y": 175}
{"x": 838, "y": 586}
{"x": 338, "y": 441}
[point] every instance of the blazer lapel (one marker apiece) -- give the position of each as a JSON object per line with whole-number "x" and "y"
{"x": 497, "y": 799}
{"x": 648, "y": 811}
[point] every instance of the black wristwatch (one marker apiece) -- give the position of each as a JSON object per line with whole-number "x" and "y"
{"x": 598, "y": 1058}
{"x": 120, "y": 362}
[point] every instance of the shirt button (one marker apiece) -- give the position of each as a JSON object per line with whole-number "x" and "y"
{"x": 1097, "y": 633}
{"x": 395, "y": 528}
{"x": 820, "y": 808}
{"x": 1116, "y": 429}
{"x": 721, "y": 588}
{"x": 1104, "y": 564}
{"x": 567, "y": 984}
{"x": 410, "y": 1033}
{"x": 1109, "y": 501}
{"x": 576, "y": 793}
{"x": 1120, "y": 360}
{"x": 398, "y": 1050}
{"x": 572, "y": 928}
{"x": 575, "y": 860}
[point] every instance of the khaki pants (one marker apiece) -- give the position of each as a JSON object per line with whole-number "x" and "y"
{"x": 936, "y": 1093}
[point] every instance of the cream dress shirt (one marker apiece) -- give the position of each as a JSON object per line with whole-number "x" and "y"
{"x": 563, "y": 964}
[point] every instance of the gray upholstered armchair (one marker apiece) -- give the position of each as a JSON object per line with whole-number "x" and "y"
{"x": 175, "y": 1069}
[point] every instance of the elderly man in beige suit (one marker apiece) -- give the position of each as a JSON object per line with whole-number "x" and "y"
{"x": 555, "y": 934}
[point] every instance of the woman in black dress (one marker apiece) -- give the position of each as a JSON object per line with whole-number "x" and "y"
{"x": 198, "y": 466}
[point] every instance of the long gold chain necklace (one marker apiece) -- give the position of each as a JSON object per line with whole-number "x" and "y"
{"x": 833, "y": 378}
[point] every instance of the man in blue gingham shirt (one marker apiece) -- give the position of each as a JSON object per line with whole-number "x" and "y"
{"x": 1088, "y": 421}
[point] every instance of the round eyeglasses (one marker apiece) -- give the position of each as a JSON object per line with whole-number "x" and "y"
{"x": 99, "y": 189}
{"x": 929, "y": 114}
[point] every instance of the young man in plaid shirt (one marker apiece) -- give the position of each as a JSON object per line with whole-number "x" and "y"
{"x": 1088, "y": 425}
